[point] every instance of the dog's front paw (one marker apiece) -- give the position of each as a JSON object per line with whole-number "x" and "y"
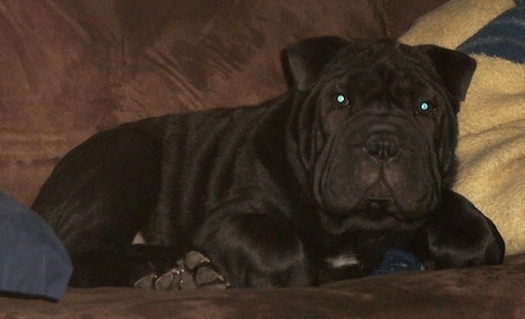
{"x": 459, "y": 235}
{"x": 194, "y": 271}
{"x": 203, "y": 272}
{"x": 253, "y": 250}
{"x": 173, "y": 279}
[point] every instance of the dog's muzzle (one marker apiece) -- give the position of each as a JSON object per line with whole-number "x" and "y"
{"x": 380, "y": 164}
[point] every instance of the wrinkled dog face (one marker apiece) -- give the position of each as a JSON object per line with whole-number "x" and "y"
{"x": 383, "y": 116}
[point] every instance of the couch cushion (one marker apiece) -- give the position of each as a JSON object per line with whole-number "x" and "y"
{"x": 486, "y": 292}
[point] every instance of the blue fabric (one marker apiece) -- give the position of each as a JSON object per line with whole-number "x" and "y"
{"x": 33, "y": 262}
{"x": 503, "y": 37}
{"x": 396, "y": 260}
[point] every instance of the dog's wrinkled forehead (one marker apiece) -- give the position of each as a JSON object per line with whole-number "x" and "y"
{"x": 385, "y": 58}
{"x": 385, "y": 71}
{"x": 312, "y": 60}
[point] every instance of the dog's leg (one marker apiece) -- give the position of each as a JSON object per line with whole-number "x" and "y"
{"x": 253, "y": 250}
{"x": 96, "y": 200}
{"x": 459, "y": 235}
{"x": 161, "y": 229}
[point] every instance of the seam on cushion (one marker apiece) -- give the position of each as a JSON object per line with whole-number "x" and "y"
{"x": 389, "y": 25}
{"x": 394, "y": 24}
{"x": 379, "y": 6}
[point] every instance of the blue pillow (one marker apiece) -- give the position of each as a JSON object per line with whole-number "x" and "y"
{"x": 33, "y": 262}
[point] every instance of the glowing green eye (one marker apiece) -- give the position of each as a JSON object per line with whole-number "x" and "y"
{"x": 341, "y": 100}
{"x": 425, "y": 108}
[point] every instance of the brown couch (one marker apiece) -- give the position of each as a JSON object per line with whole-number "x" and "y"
{"x": 71, "y": 68}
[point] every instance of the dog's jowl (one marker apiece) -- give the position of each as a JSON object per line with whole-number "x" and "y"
{"x": 356, "y": 159}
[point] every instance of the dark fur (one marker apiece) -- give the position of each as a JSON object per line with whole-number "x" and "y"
{"x": 272, "y": 193}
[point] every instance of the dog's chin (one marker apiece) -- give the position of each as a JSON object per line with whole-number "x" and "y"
{"x": 372, "y": 218}
{"x": 389, "y": 207}
{"x": 377, "y": 200}
{"x": 380, "y": 206}
{"x": 372, "y": 214}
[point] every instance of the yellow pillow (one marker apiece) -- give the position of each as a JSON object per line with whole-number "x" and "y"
{"x": 491, "y": 146}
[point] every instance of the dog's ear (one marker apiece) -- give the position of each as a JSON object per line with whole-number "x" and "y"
{"x": 304, "y": 60}
{"x": 455, "y": 69}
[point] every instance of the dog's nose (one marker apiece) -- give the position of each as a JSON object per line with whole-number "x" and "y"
{"x": 383, "y": 146}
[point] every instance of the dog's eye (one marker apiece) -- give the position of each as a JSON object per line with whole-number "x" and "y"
{"x": 425, "y": 108}
{"x": 341, "y": 100}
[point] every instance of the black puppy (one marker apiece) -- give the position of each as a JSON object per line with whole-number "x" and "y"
{"x": 356, "y": 158}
